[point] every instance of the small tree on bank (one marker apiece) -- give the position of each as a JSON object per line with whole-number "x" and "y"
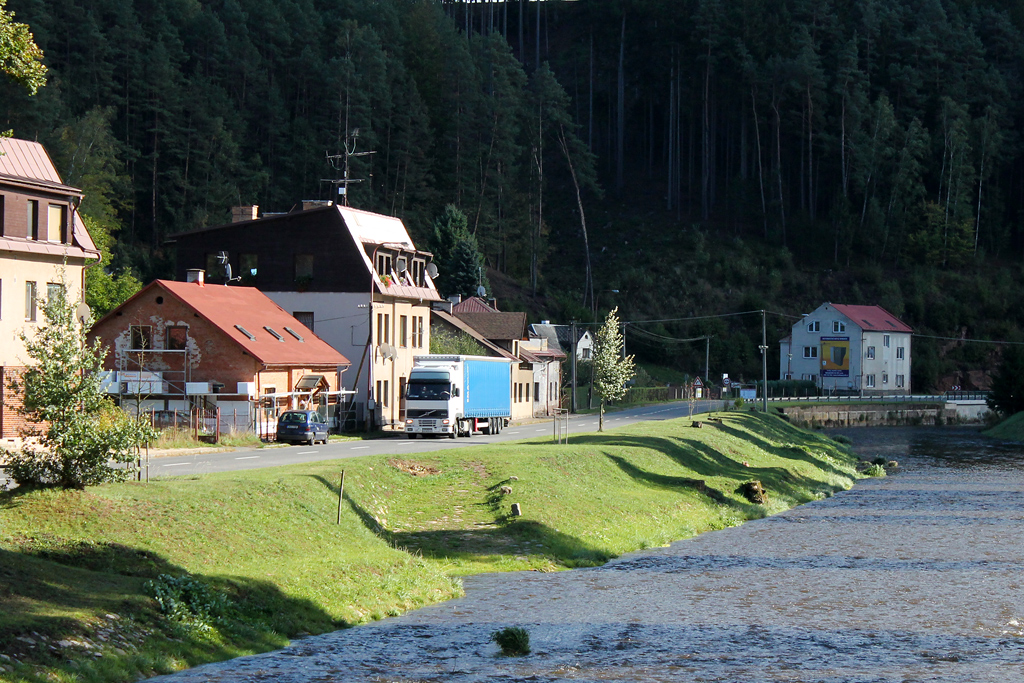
{"x": 78, "y": 428}
{"x": 611, "y": 369}
{"x": 1007, "y": 396}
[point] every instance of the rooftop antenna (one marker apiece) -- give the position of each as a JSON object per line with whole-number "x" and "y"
{"x": 342, "y": 162}
{"x": 222, "y": 259}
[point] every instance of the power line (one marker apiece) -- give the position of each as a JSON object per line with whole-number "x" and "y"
{"x": 974, "y": 341}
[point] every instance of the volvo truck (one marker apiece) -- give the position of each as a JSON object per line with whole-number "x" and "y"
{"x": 458, "y": 395}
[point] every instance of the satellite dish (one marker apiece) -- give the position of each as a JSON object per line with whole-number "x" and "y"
{"x": 393, "y": 352}
{"x": 400, "y": 266}
{"x": 431, "y": 270}
{"x": 481, "y": 291}
{"x": 82, "y": 313}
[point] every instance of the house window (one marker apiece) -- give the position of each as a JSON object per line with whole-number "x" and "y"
{"x": 56, "y": 223}
{"x": 536, "y": 391}
{"x": 303, "y": 267}
{"x": 269, "y": 400}
{"x": 177, "y": 338}
{"x": 403, "y": 324}
{"x": 885, "y": 378}
{"x": 527, "y": 392}
{"x": 54, "y": 290}
{"x": 383, "y": 323}
{"x": 384, "y": 396}
{"x": 900, "y": 351}
{"x": 378, "y": 393}
{"x": 418, "y": 343}
{"x": 885, "y": 340}
{"x": 1, "y": 215}
{"x": 248, "y": 267}
{"x": 383, "y": 264}
{"x": 810, "y": 352}
{"x": 901, "y": 381}
{"x": 140, "y": 337}
{"x": 304, "y": 317}
{"x": 30, "y": 302}
{"x": 870, "y": 353}
{"x": 869, "y": 381}
{"x": 586, "y": 353}
{"x": 814, "y": 326}
{"x": 33, "y": 220}
{"x": 838, "y": 326}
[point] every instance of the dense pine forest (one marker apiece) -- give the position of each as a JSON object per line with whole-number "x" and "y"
{"x": 676, "y": 159}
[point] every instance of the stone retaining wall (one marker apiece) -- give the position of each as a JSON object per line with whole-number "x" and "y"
{"x": 869, "y": 415}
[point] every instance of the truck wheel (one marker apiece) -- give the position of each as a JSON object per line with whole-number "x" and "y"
{"x": 451, "y": 435}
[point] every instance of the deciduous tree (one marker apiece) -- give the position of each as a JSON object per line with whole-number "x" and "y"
{"x": 611, "y": 369}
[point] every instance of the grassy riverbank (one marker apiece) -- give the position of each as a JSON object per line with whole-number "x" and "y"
{"x": 74, "y": 565}
{"x": 1010, "y": 429}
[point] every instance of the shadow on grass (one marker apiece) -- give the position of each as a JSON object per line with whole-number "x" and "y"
{"x": 63, "y": 590}
{"x": 505, "y": 535}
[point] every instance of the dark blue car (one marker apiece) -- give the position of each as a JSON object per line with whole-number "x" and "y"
{"x": 301, "y": 426}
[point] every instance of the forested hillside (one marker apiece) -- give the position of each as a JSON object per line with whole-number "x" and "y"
{"x": 727, "y": 156}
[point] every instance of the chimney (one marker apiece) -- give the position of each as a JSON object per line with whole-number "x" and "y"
{"x": 196, "y": 275}
{"x": 456, "y": 299}
{"x": 249, "y": 212}
{"x": 493, "y": 303}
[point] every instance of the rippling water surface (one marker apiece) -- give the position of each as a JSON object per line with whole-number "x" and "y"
{"x": 912, "y": 577}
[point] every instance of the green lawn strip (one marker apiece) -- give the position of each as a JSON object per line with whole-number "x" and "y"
{"x": 1010, "y": 429}
{"x": 73, "y": 564}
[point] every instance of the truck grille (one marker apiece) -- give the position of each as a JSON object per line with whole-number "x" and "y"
{"x": 427, "y": 424}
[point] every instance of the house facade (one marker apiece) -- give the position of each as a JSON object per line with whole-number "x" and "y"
{"x": 178, "y": 346}
{"x": 43, "y": 245}
{"x": 840, "y": 347}
{"x": 353, "y": 277}
{"x": 560, "y": 336}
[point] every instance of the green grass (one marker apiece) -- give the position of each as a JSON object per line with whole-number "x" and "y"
{"x": 1010, "y": 429}
{"x": 268, "y": 539}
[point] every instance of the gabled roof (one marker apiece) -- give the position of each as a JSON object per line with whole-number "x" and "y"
{"x": 559, "y": 335}
{"x": 473, "y": 304}
{"x": 497, "y": 326}
{"x": 873, "y": 318}
{"x": 491, "y": 347}
{"x": 27, "y": 162}
{"x": 236, "y": 311}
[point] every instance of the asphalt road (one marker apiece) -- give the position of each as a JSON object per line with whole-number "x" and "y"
{"x": 400, "y": 444}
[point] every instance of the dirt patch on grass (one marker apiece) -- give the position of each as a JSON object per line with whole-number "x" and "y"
{"x": 414, "y": 468}
{"x": 477, "y": 467}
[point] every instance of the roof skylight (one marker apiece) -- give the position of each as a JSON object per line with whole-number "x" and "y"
{"x": 273, "y": 333}
{"x": 246, "y": 332}
{"x": 294, "y": 334}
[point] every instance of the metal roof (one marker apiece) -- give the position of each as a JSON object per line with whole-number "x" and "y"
{"x": 24, "y": 160}
{"x": 873, "y": 318}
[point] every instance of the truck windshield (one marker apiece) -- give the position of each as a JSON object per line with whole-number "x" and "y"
{"x": 429, "y": 391}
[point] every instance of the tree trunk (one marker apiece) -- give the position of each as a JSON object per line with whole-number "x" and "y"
{"x": 600, "y": 417}
{"x": 760, "y": 167}
{"x": 705, "y": 162}
{"x": 589, "y": 284}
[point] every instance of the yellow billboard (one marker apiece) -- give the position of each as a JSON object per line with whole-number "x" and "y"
{"x": 835, "y": 356}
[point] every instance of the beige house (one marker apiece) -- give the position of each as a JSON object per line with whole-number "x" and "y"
{"x": 43, "y": 245}
{"x": 353, "y": 277}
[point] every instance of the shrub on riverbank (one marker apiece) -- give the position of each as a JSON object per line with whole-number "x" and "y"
{"x": 264, "y": 547}
{"x": 1010, "y": 429}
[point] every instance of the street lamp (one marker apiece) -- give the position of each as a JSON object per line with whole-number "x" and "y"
{"x": 597, "y": 299}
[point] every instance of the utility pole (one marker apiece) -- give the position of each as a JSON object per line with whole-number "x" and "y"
{"x": 333, "y": 159}
{"x": 707, "y": 359}
{"x": 764, "y": 364}
{"x": 572, "y": 396}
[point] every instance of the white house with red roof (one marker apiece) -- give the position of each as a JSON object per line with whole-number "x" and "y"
{"x": 43, "y": 245}
{"x": 864, "y": 349}
{"x": 178, "y": 346}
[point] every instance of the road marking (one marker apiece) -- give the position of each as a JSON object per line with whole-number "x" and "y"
{"x": 356, "y": 448}
{"x": 175, "y": 464}
{"x": 515, "y": 432}
{"x": 250, "y": 457}
{"x": 304, "y": 452}
{"x": 540, "y": 430}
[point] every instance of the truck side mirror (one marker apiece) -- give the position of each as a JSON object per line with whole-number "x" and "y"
{"x": 456, "y": 392}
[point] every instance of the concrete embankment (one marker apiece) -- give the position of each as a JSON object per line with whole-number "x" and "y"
{"x": 871, "y": 415}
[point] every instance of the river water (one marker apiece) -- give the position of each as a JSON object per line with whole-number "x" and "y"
{"x": 913, "y": 577}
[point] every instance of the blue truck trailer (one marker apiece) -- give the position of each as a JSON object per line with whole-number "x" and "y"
{"x": 458, "y": 395}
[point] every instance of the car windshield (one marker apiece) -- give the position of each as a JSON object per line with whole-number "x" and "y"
{"x": 294, "y": 418}
{"x": 429, "y": 391}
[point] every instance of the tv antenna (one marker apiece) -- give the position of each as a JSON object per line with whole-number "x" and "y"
{"x": 342, "y": 162}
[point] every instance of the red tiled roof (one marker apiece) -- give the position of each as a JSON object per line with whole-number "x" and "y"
{"x": 232, "y": 307}
{"x": 874, "y": 318}
{"x": 473, "y": 304}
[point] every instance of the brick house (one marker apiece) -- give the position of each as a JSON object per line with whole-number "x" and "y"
{"x": 43, "y": 245}
{"x": 354, "y": 277}
{"x": 176, "y": 346}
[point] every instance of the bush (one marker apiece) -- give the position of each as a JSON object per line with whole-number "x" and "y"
{"x": 843, "y": 439}
{"x": 185, "y": 600}
{"x": 513, "y": 641}
{"x": 875, "y": 471}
